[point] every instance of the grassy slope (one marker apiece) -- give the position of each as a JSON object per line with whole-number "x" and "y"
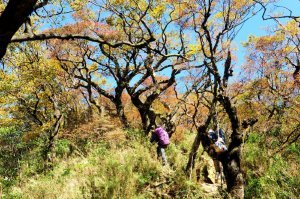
{"x": 271, "y": 175}
{"x": 122, "y": 165}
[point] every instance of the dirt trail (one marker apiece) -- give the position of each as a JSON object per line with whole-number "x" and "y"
{"x": 212, "y": 190}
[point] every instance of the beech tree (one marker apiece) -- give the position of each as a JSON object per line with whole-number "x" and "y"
{"x": 113, "y": 61}
{"x": 215, "y": 24}
{"x": 35, "y": 96}
{"x": 290, "y": 29}
{"x": 274, "y": 86}
{"x": 148, "y": 52}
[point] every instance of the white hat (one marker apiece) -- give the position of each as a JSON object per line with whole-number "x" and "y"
{"x": 210, "y": 131}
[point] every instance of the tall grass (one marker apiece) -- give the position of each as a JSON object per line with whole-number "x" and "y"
{"x": 123, "y": 164}
{"x": 271, "y": 176}
{"x": 112, "y": 168}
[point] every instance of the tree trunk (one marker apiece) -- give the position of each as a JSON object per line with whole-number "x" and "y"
{"x": 193, "y": 154}
{"x": 145, "y": 120}
{"x": 121, "y": 113}
{"x": 233, "y": 172}
{"x": 50, "y": 142}
{"x": 232, "y": 159}
{"x": 170, "y": 125}
{"x": 296, "y": 73}
{"x": 14, "y": 15}
{"x": 117, "y": 100}
{"x": 152, "y": 119}
{"x": 144, "y": 112}
{"x": 200, "y": 138}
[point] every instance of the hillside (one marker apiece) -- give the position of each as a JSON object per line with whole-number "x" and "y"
{"x": 122, "y": 164}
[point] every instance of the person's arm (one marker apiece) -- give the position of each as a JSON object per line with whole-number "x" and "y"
{"x": 153, "y": 137}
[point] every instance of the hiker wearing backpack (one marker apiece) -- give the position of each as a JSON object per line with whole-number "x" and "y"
{"x": 217, "y": 141}
{"x": 217, "y": 147}
{"x": 161, "y": 137}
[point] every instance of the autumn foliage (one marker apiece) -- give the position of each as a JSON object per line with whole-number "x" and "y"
{"x": 81, "y": 78}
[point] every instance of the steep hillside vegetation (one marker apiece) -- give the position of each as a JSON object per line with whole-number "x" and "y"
{"x": 120, "y": 163}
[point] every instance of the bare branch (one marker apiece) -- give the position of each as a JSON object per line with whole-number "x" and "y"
{"x": 290, "y": 16}
{"x": 48, "y": 36}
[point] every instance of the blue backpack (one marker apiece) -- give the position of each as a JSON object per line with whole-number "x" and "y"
{"x": 218, "y": 139}
{"x": 222, "y": 135}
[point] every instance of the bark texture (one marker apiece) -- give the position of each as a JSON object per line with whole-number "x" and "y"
{"x": 200, "y": 138}
{"x": 14, "y": 15}
{"x": 231, "y": 160}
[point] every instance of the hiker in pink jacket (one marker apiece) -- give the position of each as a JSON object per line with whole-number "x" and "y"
{"x": 160, "y": 136}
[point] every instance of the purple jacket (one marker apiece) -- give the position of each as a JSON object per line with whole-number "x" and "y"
{"x": 161, "y": 136}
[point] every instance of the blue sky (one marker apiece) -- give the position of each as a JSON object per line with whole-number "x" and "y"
{"x": 257, "y": 26}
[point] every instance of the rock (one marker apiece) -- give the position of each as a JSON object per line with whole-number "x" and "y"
{"x": 207, "y": 168}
